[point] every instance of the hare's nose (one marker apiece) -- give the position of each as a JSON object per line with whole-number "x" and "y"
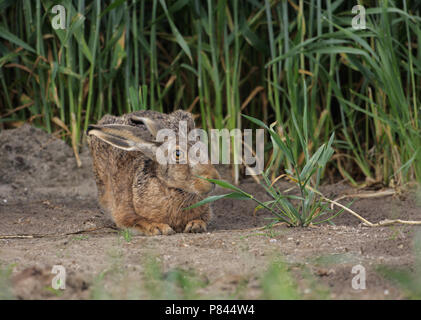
{"x": 215, "y": 175}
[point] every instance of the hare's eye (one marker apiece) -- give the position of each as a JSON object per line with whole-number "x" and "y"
{"x": 178, "y": 154}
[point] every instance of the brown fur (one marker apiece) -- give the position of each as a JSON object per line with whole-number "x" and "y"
{"x": 139, "y": 192}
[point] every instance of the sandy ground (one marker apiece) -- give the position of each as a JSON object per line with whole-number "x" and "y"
{"x": 44, "y": 196}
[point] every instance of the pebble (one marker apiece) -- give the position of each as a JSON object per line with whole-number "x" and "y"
{"x": 5, "y": 200}
{"x": 272, "y": 240}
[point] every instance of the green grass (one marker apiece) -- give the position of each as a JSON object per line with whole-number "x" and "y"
{"x": 6, "y": 292}
{"x": 126, "y": 234}
{"x": 408, "y": 279}
{"x": 309, "y": 207}
{"x": 176, "y": 283}
{"x": 277, "y": 281}
{"x": 298, "y": 63}
{"x": 152, "y": 282}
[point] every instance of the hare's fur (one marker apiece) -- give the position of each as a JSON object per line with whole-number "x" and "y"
{"x": 139, "y": 192}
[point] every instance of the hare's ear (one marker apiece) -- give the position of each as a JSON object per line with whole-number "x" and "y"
{"x": 150, "y": 124}
{"x": 123, "y": 137}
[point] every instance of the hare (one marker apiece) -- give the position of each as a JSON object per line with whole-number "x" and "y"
{"x": 140, "y": 192}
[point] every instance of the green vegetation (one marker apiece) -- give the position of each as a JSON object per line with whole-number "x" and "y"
{"x": 152, "y": 282}
{"x": 278, "y": 283}
{"x": 299, "y": 63}
{"x": 126, "y": 234}
{"x": 175, "y": 284}
{"x": 6, "y": 292}
{"x": 409, "y": 279}
{"x": 311, "y": 204}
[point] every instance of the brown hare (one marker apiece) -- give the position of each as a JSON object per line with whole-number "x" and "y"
{"x": 140, "y": 192}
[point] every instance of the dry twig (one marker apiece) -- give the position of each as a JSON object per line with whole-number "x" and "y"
{"x": 54, "y": 235}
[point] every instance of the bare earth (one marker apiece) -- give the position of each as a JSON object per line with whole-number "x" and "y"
{"x": 45, "y": 196}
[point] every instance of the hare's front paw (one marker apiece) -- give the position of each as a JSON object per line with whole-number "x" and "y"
{"x": 155, "y": 229}
{"x": 195, "y": 226}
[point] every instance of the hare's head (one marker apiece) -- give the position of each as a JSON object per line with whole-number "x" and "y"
{"x": 178, "y": 162}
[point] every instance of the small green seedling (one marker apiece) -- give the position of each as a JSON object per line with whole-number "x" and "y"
{"x": 126, "y": 234}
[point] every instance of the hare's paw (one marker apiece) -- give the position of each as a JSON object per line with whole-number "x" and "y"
{"x": 196, "y": 226}
{"x": 155, "y": 229}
